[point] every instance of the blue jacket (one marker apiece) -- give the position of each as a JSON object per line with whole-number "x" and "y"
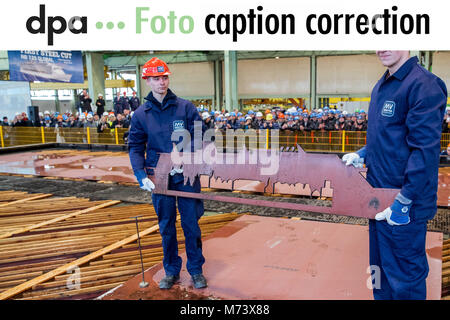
{"x": 152, "y": 125}
{"x": 125, "y": 103}
{"x": 403, "y": 135}
{"x": 134, "y": 103}
{"x": 117, "y": 102}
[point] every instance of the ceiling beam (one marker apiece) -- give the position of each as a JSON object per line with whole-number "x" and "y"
{"x": 129, "y": 62}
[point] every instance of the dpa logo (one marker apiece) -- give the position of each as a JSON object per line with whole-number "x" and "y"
{"x": 388, "y": 109}
{"x": 55, "y": 24}
{"x": 178, "y": 125}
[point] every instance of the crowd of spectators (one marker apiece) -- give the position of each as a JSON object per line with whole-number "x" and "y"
{"x": 293, "y": 119}
{"x": 101, "y": 120}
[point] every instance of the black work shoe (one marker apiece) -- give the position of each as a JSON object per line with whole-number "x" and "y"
{"x": 199, "y": 281}
{"x": 168, "y": 281}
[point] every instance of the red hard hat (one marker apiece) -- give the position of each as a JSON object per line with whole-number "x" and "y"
{"x": 155, "y": 68}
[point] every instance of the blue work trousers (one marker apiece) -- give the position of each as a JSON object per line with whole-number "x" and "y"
{"x": 190, "y": 212}
{"x": 399, "y": 252}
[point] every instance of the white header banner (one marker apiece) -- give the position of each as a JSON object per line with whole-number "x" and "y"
{"x": 225, "y": 25}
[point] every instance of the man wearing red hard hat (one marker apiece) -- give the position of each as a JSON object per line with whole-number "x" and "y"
{"x": 151, "y": 131}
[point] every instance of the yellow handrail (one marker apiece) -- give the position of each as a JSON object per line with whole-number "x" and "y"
{"x": 88, "y": 132}
{"x": 343, "y": 141}
{"x": 42, "y": 135}
{"x": 323, "y": 141}
{"x": 117, "y": 135}
{"x": 1, "y": 136}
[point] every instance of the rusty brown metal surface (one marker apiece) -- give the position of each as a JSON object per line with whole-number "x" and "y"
{"x": 115, "y": 167}
{"x": 352, "y": 194}
{"x": 256, "y": 257}
{"x": 444, "y": 187}
{"x": 70, "y": 164}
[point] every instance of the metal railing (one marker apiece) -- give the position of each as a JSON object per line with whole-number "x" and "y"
{"x": 10, "y": 136}
{"x": 324, "y": 141}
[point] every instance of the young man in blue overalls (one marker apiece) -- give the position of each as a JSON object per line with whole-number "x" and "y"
{"x": 151, "y": 129}
{"x": 406, "y": 111}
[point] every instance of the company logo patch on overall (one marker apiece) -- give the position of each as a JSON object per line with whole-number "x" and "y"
{"x": 178, "y": 125}
{"x": 388, "y": 109}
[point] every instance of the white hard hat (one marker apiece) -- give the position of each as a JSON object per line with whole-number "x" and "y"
{"x": 205, "y": 115}
{"x": 90, "y": 116}
{"x": 344, "y": 112}
{"x": 259, "y": 114}
{"x": 100, "y": 94}
{"x": 46, "y": 112}
{"x": 227, "y": 114}
{"x": 248, "y": 118}
{"x": 105, "y": 113}
{"x": 41, "y": 114}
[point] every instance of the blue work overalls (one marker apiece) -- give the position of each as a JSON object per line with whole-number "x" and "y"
{"x": 150, "y": 134}
{"x": 402, "y": 151}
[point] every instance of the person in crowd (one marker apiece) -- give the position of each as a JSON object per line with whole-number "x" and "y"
{"x": 134, "y": 102}
{"x": 125, "y": 102}
{"x": 232, "y": 122}
{"x": 100, "y": 104}
{"x": 20, "y": 121}
{"x": 81, "y": 98}
{"x": 47, "y": 122}
{"x": 117, "y": 103}
{"x": 127, "y": 115}
{"x": 86, "y": 106}
{"x": 111, "y": 121}
{"x": 360, "y": 124}
{"x": 121, "y": 122}
{"x": 96, "y": 119}
{"x": 207, "y": 120}
{"x": 103, "y": 123}
{"x": 60, "y": 122}
{"x": 258, "y": 122}
{"x": 90, "y": 123}
{"x": 5, "y": 122}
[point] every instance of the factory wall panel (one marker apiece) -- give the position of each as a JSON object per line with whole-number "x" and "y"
{"x": 275, "y": 77}
{"x": 50, "y": 105}
{"x": 45, "y": 105}
{"x": 14, "y": 97}
{"x": 188, "y": 80}
{"x": 348, "y": 75}
{"x": 441, "y": 66}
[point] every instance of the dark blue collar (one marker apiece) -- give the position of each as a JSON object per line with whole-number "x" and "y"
{"x": 403, "y": 71}
{"x": 169, "y": 99}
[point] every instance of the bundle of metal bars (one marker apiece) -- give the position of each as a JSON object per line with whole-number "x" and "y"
{"x": 446, "y": 270}
{"x": 66, "y": 248}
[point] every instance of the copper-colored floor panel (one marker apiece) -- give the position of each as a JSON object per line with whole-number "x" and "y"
{"x": 444, "y": 187}
{"x": 70, "y": 165}
{"x": 274, "y": 258}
